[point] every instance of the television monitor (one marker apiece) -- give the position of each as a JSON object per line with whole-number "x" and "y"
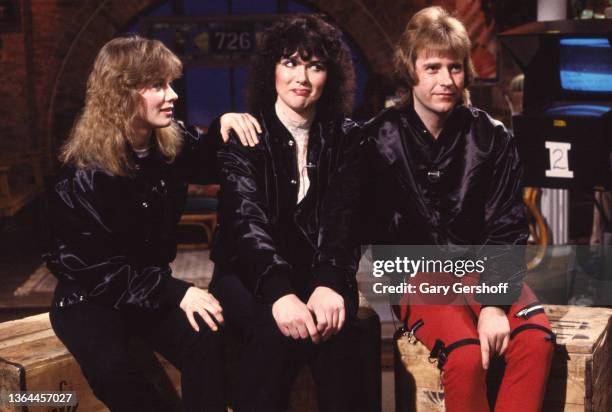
{"x": 585, "y": 65}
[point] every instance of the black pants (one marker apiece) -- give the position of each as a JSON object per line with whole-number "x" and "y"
{"x": 270, "y": 362}
{"x": 99, "y": 339}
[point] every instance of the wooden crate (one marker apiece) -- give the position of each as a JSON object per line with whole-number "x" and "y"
{"x": 32, "y": 358}
{"x": 580, "y": 377}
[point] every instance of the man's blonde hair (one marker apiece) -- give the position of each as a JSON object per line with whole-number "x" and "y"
{"x": 103, "y": 132}
{"x": 433, "y": 30}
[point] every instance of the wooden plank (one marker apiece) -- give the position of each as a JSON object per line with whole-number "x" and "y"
{"x": 22, "y": 339}
{"x": 32, "y": 354}
{"x": 48, "y": 365}
{"x": 430, "y": 400}
{"x": 570, "y": 382}
{"x": 415, "y": 358}
{"x": 602, "y": 373}
{"x": 62, "y": 373}
{"x": 579, "y": 329}
{"x": 9, "y": 377}
{"x": 566, "y": 407}
{"x": 24, "y": 326}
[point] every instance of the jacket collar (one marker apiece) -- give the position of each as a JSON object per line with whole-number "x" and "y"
{"x": 453, "y": 124}
{"x": 320, "y": 128}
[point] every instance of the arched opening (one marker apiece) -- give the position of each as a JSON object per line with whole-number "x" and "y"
{"x": 206, "y": 90}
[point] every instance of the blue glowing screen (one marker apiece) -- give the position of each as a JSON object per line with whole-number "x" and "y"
{"x": 589, "y": 110}
{"x": 586, "y": 65}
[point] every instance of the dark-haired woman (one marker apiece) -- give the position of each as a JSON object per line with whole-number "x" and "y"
{"x": 270, "y": 201}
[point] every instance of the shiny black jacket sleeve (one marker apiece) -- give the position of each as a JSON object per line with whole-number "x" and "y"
{"x": 246, "y": 219}
{"x": 87, "y": 249}
{"x": 85, "y": 210}
{"x": 338, "y": 250}
{"x": 196, "y": 162}
{"x": 505, "y": 231}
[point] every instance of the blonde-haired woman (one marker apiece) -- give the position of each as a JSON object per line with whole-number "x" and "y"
{"x": 112, "y": 216}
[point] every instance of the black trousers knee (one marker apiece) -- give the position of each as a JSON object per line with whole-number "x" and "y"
{"x": 270, "y": 362}
{"x": 99, "y": 339}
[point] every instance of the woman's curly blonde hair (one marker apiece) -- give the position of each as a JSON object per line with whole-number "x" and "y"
{"x": 102, "y": 135}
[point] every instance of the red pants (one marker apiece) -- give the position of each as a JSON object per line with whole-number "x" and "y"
{"x": 450, "y": 332}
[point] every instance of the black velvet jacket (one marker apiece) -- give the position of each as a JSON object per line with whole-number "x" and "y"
{"x": 111, "y": 238}
{"x": 264, "y": 236}
{"x": 463, "y": 188}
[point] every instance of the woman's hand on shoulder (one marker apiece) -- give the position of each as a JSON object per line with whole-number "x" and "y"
{"x": 244, "y": 125}
{"x": 199, "y": 301}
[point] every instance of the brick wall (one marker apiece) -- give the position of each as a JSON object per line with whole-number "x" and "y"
{"x": 14, "y": 134}
{"x": 44, "y": 66}
{"x": 374, "y": 25}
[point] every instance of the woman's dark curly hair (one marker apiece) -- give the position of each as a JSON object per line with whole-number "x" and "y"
{"x": 310, "y": 36}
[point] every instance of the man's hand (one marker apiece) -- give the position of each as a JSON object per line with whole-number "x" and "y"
{"x": 244, "y": 125}
{"x": 294, "y": 319}
{"x": 493, "y": 332}
{"x": 203, "y": 303}
{"x": 328, "y": 308}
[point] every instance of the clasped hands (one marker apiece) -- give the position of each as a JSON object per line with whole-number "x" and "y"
{"x": 320, "y": 318}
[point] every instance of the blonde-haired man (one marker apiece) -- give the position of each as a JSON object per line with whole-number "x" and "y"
{"x": 441, "y": 172}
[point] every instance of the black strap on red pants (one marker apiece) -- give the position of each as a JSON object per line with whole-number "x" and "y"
{"x": 441, "y": 352}
{"x": 550, "y": 335}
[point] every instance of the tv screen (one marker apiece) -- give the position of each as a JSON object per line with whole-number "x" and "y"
{"x": 586, "y": 65}
{"x": 584, "y": 110}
